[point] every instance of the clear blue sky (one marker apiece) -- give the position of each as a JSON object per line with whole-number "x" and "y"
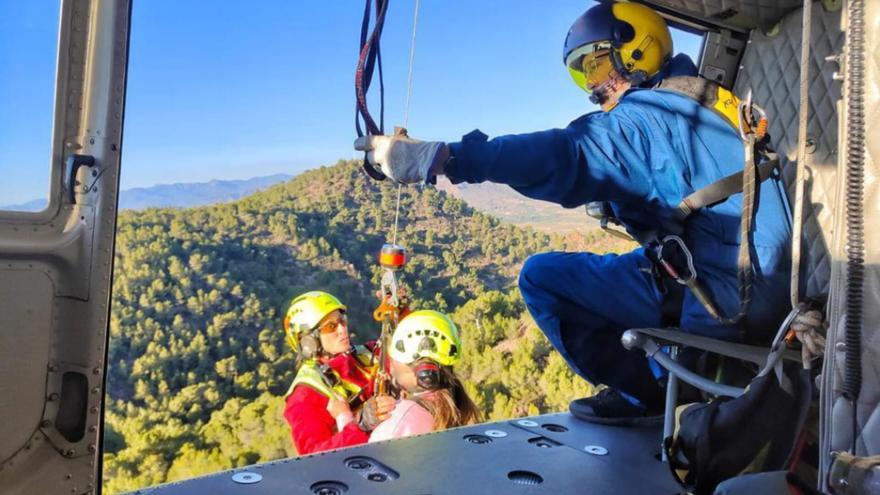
{"x": 232, "y": 89}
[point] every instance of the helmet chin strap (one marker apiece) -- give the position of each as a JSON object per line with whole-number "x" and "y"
{"x": 602, "y": 93}
{"x": 323, "y": 354}
{"x": 599, "y": 96}
{"x": 612, "y": 88}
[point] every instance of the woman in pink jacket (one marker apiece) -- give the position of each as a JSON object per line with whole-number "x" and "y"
{"x": 423, "y": 350}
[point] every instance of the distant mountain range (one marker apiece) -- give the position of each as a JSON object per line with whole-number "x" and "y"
{"x": 494, "y": 199}
{"x": 179, "y": 195}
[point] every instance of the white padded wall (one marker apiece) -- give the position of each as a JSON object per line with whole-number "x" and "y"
{"x": 771, "y": 69}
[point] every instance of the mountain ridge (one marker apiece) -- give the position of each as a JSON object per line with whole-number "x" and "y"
{"x": 495, "y": 199}
{"x": 178, "y": 194}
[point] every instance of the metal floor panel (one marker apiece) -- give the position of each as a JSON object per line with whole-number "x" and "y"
{"x": 530, "y": 458}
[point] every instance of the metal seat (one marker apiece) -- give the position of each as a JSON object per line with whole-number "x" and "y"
{"x": 652, "y": 341}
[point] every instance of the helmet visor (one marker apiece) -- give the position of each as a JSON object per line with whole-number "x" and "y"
{"x": 591, "y": 66}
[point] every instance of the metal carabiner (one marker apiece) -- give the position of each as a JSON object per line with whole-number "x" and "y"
{"x": 670, "y": 269}
{"x": 752, "y": 119}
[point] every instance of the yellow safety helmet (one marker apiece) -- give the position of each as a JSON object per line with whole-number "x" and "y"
{"x": 305, "y": 312}
{"x": 426, "y": 334}
{"x": 629, "y": 38}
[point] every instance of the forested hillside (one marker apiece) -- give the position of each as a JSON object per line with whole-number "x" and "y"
{"x": 198, "y": 361}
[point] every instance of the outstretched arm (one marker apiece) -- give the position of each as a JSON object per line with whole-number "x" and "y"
{"x": 596, "y": 158}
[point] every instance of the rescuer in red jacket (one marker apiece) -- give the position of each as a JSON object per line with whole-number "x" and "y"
{"x": 333, "y": 378}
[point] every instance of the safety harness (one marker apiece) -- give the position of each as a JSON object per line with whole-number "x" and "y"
{"x": 327, "y": 382}
{"x": 666, "y": 248}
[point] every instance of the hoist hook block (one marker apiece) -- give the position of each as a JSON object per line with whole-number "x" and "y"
{"x": 392, "y": 257}
{"x": 387, "y": 312}
{"x": 391, "y": 310}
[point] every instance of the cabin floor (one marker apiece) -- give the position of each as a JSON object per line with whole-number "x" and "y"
{"x": 553, "y": 453}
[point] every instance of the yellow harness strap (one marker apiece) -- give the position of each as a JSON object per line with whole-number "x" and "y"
{"x": 707, "y": 93}
{"x": 310, "y": 375}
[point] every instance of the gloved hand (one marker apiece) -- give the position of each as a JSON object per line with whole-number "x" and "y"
{"x": 402, "y": 158}
{"x": 808, "y": 328}
{"x": 375, "y": 410}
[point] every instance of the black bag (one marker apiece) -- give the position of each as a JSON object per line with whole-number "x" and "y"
{"x": 755, "y": 432}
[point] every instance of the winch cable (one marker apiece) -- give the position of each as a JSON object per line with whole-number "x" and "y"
{"x": 406, "y": 108}
{"x": 369, "y": 59}
{"x": 396, "y": 216}
{"x": 392, "y": 256}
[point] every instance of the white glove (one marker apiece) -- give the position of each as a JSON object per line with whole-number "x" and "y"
{"x": 400, "y": 157}
{"x": 808, "y": 327}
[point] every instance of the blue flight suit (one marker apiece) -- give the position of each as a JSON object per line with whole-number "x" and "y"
{"x": 653, "y": 149}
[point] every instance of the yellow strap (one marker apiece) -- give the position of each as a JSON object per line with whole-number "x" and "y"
{"x": 727, "y": 104}
{"x": 310, "y": 375}
{"x": 366, "y": 359}
{"x": 708, "y": 94}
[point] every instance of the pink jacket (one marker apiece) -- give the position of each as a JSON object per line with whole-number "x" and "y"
{"x": 407, "y": 418}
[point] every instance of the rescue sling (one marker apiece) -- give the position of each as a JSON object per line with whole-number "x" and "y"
{"x": 666, "y": 248}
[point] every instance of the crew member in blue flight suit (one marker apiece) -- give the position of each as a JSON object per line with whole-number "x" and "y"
{"x": 643, "y": 153}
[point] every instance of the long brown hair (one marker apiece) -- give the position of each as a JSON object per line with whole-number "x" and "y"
{"x": 451, "y": 406}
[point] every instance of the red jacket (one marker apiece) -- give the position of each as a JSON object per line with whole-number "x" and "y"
{"x": 312, "y": 427}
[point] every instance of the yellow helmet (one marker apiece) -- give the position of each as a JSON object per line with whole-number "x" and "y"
{"x": 628, "y": 37}
{"x": 305, "y": 312}
{"x": 426, "y": 334}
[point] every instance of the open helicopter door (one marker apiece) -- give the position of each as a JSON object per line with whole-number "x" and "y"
{"x": 56, "y": 265}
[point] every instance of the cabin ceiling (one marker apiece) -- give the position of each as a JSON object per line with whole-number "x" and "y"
{"x": 745, "y": 14}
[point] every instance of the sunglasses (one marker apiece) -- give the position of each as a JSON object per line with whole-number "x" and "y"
{"x": 590, "y": 65}
{"x": 332, "y": 324}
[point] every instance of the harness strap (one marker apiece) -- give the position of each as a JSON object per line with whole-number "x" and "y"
{"x": 722, "y": 189}
{"x": 744, "y": 258}
{"x": 708, "y": 94}
{"x": 747, "y": 183}
{"x": 364, "y": 356}
{"x": 310, "y": 375}
{"x": 741, "y": 115}
{"x": 673, "y": 297}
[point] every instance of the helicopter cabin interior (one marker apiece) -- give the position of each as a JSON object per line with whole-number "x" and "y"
{"x": 56, "y": 276}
